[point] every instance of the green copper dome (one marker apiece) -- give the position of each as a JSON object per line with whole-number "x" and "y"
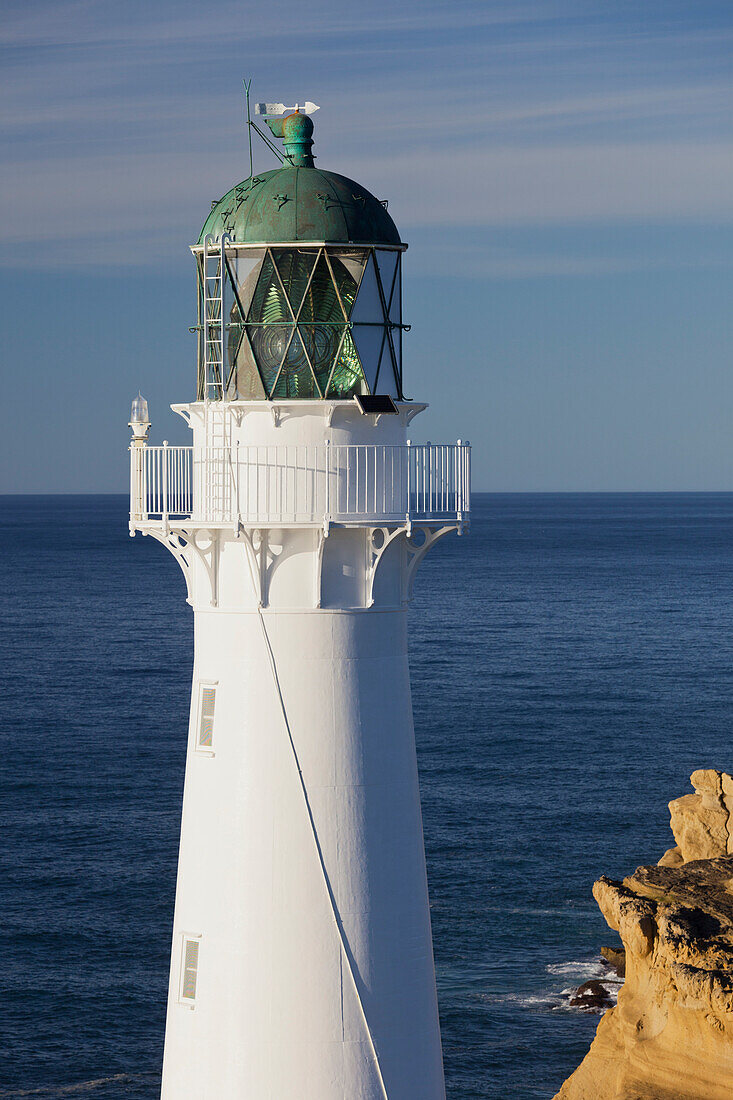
{"x": 301, "y": 204}
{"x": 299, "y": 281}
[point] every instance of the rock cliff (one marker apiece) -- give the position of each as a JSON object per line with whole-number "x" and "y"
{"x": 670, "y": 1037}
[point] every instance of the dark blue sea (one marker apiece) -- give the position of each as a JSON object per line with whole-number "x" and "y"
{"x": 572, "y": 663}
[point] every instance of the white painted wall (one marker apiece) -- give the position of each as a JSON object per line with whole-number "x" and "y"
{"x": 302, "y": 865}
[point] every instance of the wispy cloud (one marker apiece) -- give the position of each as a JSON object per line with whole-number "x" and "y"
{"x": 95, "y": 22}
{"x": 121, "y": 122}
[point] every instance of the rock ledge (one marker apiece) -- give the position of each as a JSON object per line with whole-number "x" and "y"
{"x": 670, "y": 1037}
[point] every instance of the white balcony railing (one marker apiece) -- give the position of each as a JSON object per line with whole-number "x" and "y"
{"x": 294, "y": 485}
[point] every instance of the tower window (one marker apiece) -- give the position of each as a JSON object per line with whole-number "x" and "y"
{"x": 207, "y": 703}
{"x": 189, "y": 969}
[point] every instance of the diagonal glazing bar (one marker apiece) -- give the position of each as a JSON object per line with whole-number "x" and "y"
{"x": 388, "y": 329}
{"x": 361, "y": 279}
{"x": 279, "y": 279}
{"x": 336, "y": 358}
{"x": 244, "y": 335}
{"x": 379, "y": 361}
{"x": 335, "y": 284}
{"x": 296, "y": 317}
{"x": 395, "y": 283}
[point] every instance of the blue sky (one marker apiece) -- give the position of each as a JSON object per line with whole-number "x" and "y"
{"x": 562, "y": 171}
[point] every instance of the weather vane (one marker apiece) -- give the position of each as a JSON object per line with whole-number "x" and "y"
{"x": 270, "y": 112}
{"x": 307, "y": 108}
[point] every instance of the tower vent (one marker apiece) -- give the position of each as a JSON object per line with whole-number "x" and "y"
{"x": 189, "y": 969}
{"x": 207, "y": 702}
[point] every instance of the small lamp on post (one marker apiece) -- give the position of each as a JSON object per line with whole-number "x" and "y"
{"x": 140, "y": 424}
{"x": 139, "y": 421}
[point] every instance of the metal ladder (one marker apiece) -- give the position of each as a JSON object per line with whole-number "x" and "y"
{"x": 219, "y": 472}
{"x": 215, "y": 328}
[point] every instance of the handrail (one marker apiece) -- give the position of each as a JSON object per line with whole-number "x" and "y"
{"x": 299, "y": 484}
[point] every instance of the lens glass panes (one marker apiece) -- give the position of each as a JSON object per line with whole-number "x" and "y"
{"x": 390, "y": 272}
{"x": 247, "y": 380}
{"x": 321, "y": 343}
{"x": 368, "y": 306}
{"x": 388, "y": 263}
{"x": 353, "y": 259}
{"x": 269, "y": 301}
{"x": 244, "y": 380}
{"x": 294, "y": 268}
{"x": 370, "y": 343}
{"x": 314, "y": 324}
{"x": 270, "y": 344}
{"x": 367, "y": 318}
{"x": 348, "y": 377}
{"x": 321, "y": 300}
{"x": 245, "y": 267}
{"x": 295, "y": 378}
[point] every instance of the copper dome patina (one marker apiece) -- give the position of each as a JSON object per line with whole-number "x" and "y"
{"x": 299, "y": 284}
{"x": 298, "y": 205}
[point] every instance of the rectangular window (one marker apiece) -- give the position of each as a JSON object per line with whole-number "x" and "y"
{"x": 189, "y": 969}
{"x": 207, "y": 702}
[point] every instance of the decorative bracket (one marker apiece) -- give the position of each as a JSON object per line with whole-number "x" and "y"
{"x": 178, "y": 547}
{"x": 263, "y": 559}
{"x": 183, "y": 545}
{"x": 411, "y": 413}
{"x": 184, "y": 412}
{"x": 209, "y": 558}
{"x": 418, "y": 551}
{"x": 378, "y": 539}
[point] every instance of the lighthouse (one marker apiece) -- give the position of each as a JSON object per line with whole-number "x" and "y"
{"x": 302, "y": 962}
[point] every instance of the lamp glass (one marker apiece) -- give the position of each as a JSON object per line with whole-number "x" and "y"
{"x": 139, "y": 411}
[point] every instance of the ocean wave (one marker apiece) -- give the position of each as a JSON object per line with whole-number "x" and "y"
{"x": 76, "y": 1089}
{"x": 585, "y": 970}
{"x": 581, "y": 971}
{"x": 547, "y": 1000}
{"x": 552, "y": 998}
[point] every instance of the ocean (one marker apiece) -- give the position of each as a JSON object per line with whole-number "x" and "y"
{"x": 572, "y": 663}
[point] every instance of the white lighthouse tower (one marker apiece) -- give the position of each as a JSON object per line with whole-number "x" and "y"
{"x": 302, "y": 963}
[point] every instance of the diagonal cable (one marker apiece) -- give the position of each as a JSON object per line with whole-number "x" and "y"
{"x": 321, "y": 860}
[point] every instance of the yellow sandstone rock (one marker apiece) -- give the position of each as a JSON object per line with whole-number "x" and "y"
{"x": 670, "y": 1037}
{"x": 700, "y": 821}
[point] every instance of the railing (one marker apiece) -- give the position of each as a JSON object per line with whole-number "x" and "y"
{"x": 297, "y": 485}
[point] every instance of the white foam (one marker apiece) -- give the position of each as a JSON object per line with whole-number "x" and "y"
{"x": 576, "y": 971}
{"x": 67, "y": 1090}
{"x": 585, "y": 970}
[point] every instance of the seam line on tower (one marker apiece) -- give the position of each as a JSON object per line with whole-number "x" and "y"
{"x": 324, "y": 872}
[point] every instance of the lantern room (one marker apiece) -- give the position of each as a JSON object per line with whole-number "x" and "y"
{"x": 299, "y": 285}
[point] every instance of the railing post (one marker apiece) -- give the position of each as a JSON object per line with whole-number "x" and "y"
{"x": 408, "y": 478}
{"x": 467, "y": 474}
{"x": 236, "y": 486}
{"x": 459, "y": 481}
{"x": 164, "y": 485}
{"x": 429, "y": 479}
{"x": 135, "y": 506}
{"x": 327, "y": 515}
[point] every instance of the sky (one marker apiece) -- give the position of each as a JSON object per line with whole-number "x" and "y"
{"x": 561, "y": 170}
